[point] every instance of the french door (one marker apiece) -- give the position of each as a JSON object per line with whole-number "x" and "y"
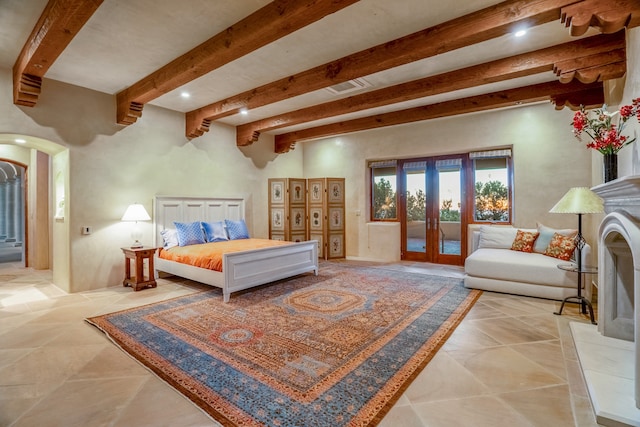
{"x": 431, "y": 208}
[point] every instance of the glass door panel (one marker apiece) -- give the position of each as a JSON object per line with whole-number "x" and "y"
{"x": 415, "y": 207}
{"x": 450, "y": 203}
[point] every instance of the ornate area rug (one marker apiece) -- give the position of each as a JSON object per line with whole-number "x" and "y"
{"x": 337, "y": 349}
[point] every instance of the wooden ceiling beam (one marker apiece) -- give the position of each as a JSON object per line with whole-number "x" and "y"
{"x": 571, "y": 68}
{"x": 600, "y": 53}
{"x": 609, "y": 16}
{"x": 591, "y": 97}
{"x": 473, "y": 28}
{"x": 270, "y": 23}
{"x": 571, "y": 93}
{"x": 59, "y": 23}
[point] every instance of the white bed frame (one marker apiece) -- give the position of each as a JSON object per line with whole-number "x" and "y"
{"x": 240, "y": 270}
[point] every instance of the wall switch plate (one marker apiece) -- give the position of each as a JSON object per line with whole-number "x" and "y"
{"x": 86, "y": 229}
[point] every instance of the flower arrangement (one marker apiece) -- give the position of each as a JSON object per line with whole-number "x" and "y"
{"x": 605, "y": 128}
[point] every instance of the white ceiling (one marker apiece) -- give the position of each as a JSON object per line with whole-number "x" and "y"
{"x": 125, "y": 40}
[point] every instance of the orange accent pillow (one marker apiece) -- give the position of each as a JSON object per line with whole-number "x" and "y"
{"x": 524, "y": 241}
{"x": 561, "y": 247}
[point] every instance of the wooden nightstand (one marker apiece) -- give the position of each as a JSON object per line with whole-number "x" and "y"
{"x": 139, "y": 281}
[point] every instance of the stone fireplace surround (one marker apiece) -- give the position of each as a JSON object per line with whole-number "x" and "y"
{"x": 609, "y": 354}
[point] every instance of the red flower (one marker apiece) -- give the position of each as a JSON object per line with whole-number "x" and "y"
{"x": 626, "y": 111}
{"x": 605, "y": 132}
{"x": 579, "y": 121}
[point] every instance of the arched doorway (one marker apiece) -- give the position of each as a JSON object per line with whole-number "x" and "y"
{"x": 46, "y": 230}
{"x": 12, "y": 212}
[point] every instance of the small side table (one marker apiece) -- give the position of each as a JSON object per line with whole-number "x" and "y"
{"x": 579, "y": 299}
{"x": 139, "y": 281}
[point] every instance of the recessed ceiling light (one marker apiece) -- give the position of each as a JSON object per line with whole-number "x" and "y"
{"x": 20, "y": 140}
{"x": 244, "y": 111}
{"x": 185, "y": 94}
{"x": 520, "y": 33}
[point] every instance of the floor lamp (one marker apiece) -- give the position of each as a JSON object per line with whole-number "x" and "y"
{"x": 580, "y": 201}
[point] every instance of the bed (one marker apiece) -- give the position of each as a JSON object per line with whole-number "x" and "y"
{"x": 240, "y": 270}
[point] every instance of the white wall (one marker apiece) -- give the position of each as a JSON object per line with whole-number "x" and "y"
{"x": 547, "y": 160}
{"x": 620, "y": 92}
{"x": 629, "y": 157}
{"x": 16, "y": 153}
{"x": 111, "y": 166}
{"x": 60, "y": 232}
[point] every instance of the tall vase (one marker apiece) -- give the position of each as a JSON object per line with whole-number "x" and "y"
{"x": 610, "y": 167}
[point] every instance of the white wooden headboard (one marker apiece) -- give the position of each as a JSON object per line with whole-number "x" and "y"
{"x": 167, "y": 209}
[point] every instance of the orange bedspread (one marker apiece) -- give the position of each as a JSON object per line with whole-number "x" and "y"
{"x": 209, "y": 255}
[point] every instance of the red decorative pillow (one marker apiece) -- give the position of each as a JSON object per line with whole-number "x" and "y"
{"x": 524, "y": 241}
{"x": 561, "y": 247}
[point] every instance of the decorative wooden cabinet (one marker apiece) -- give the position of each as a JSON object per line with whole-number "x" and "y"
{"x": 325, "y": 205}
{"x": 287, "y": 209}
{"x": 316, "y": 215}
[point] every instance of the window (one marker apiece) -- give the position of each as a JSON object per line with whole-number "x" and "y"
{"x": 383, "y": 194}
{"x": 492, "y": 192}
{"x": 488, "y": 182}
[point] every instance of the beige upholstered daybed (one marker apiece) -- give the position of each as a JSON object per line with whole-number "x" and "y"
{"x": 494, "y": 266}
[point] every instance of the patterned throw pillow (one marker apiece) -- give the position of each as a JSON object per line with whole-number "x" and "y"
{"x": 561, "y": 247}
{"x": 524, "y": 241}
{"x": 189, "y": 233}
{"x": 169, "y": 238}
{"x": 215, "y": 231}
{"x": 237, "y": 229}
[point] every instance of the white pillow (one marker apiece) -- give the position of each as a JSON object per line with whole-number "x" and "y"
{"x": 546, "y": 233}
{"x": 169, "y": 238}
{"x": 497, "y": 237}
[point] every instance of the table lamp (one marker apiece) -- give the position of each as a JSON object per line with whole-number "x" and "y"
{"x": 136, "y": 212}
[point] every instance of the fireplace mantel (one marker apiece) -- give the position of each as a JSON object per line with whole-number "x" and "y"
{"x": 621, "y": 193}
{"x": 618, "y": 304}
{"x": 619, "y": 256}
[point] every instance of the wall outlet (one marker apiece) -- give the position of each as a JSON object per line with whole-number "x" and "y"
{"x": 86, "y": 229}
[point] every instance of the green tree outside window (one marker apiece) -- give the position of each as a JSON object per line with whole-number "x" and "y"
{"x": 448, "y": 214}
{"x": 384, "y": 200}
{"x": 492, "y": 202}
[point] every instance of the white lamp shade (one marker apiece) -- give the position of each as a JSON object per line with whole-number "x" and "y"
{"x": 136, "y": 212}
{"x": 579, "y": 200}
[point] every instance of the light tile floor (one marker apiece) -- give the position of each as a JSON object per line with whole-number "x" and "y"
{"x": 511, "y": 362}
